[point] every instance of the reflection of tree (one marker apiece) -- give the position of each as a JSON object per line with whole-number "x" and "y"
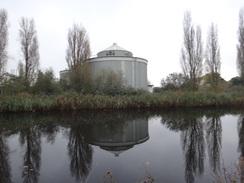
{"x": 193, "y": 146}
{"x": 240, "y": 127}
{"x": 80, "y": 153}
{"x": 49, "y": 130}
{"x": 5, "y": 175}
{"x": 213, "y": 137}
{"x": 30, "y": 139}
{"x": 30, "y": 127}
{"x": 190, "y": 124}
{"x": 177, "y": 120}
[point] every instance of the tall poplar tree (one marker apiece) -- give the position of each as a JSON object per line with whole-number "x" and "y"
{"x": 3, "y": 40}
{"x": 192, "y": 51}
{"x": 212, "y": 56}
{"x": 29, "y": 48}
{"x": 77, "y": 53}
{"x": 240, "y": 45}
{"x": 78, "y": 49}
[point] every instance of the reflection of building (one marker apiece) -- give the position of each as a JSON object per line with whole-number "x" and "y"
{"x": 122, "y": 138}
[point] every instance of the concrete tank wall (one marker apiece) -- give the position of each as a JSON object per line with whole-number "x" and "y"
{"x": 133, "y": 68}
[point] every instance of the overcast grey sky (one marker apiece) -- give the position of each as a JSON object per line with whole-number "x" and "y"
{"x": 151, "y": 29}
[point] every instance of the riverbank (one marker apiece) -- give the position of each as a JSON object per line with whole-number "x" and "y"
{"x": 75, "y": 101}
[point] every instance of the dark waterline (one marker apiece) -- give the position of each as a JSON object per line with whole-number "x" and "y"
{"x": 90, "y": 146}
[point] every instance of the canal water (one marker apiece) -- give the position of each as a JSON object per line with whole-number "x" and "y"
{"x": 173, "y": 145}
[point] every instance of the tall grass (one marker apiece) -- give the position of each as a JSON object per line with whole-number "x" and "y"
{"x": 75, "y": 101}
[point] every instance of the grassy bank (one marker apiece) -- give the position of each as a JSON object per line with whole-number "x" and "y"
{"x": 74, "y": 101}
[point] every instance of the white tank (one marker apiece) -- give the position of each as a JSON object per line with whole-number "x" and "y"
{"x": 118, "y": 59}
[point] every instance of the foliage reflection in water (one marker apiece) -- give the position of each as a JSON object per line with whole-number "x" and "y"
{"x": 174, "y": 145}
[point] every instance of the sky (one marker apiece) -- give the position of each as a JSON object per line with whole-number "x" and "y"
{"x": 150, "y": 29}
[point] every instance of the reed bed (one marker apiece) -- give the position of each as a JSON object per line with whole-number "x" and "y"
{"x": 75, "y": 101}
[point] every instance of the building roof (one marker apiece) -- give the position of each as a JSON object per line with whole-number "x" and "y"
{"x": 115, "y": 51}
{"x": 114, "y": 47}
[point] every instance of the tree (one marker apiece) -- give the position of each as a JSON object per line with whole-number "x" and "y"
{"x": 237, "y": 81}
{"x": 45, "y": 83}
{"x": 192, "y": 51}
{"x": 77, "y": 53}
{"x": 240, "y": 45}
{"x": 174, "y": 81}
{"x": 212, "y": 55}
{"x": 78, "y": 46}
{"x": 109, "y": 82}
{"x": 13, "y": 85}
{"x": 29, "y": 48}
{"x": 3, "y": 40}
{"x": 80, "y": 78}
{"x": 207, "y": 83}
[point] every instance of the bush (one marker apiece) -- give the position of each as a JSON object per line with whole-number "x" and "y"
{"x": 76, "y": 101}
{"x": 46, "y": 83}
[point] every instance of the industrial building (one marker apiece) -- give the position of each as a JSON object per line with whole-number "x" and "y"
{"x": 118, "y": 59}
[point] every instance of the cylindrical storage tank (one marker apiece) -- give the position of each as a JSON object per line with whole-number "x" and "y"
{"x": 118, "y": 59}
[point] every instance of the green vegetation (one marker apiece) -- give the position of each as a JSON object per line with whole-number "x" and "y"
{"x": 75, "y": 101}
{"x": 108, "y": 91}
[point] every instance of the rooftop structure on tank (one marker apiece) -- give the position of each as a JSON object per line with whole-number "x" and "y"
{"x": 118, "y": 59}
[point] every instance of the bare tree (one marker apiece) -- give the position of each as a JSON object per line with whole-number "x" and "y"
{"x": 240, "y": 45}
{"x": 78, "y": 46}
{"x": 77, "y": 53}
{"x": 192, "y": 51}
{"x": 212, "y": 55}
{"x": 30, "y": 48}
{"x": 3, "y": 40}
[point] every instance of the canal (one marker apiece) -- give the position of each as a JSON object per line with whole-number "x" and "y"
{"x": 164, "y": 145}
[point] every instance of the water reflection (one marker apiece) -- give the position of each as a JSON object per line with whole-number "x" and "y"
{"x": 213, "y": 128}
{"x": 240, "y": 126}
{"x": 114, "y": 132}
{"x": 193, "y": 146}
{"x": 192, "y": 124}
{"x": 119, "y": 136}
{"x": 30, "y": 140}
{"x": 80, "y": 152}
{"x": 5, "y": 175}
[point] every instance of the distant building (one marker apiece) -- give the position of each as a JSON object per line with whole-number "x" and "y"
{"x": 63, "y": 75}
{"x": 117, "y": 59}
{"x": 13, "y": 71}
{"x": 150, "y": 88}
